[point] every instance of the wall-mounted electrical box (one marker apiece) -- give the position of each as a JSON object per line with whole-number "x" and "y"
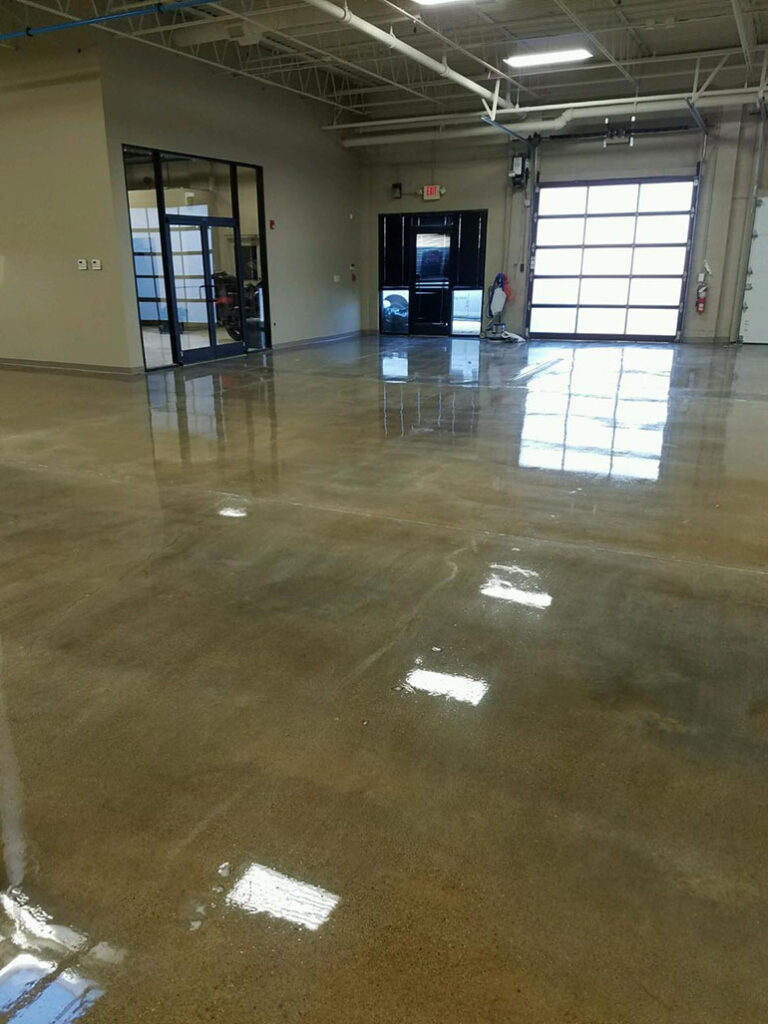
{"x": 519, "y": 171}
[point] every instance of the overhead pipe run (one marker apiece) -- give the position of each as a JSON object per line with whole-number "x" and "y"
{"x": 393, "y": 42}
{"x": 521, "y": 111}
{"x": 524, "y": 129}
{"x": 59, "y": 26}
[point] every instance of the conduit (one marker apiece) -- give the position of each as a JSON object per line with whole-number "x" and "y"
{"x": 392, "y": 41}
{"x": 161, "y": 8}
{"x": 649, "y": 105}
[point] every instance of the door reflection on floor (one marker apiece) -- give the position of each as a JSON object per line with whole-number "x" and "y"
{"x": 425, "y": 386}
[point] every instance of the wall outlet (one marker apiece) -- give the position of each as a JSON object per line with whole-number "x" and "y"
{"x": 337, "y": 278}
{"x": 82, "y": 264}
{"x": 95, "y": 264}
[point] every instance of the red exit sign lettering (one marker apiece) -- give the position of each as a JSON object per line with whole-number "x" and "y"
{"x": 431, "y": 191}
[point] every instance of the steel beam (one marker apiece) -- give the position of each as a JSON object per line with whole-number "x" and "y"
{"x": 745, "y": 25}
{"x": 567, "y": 10}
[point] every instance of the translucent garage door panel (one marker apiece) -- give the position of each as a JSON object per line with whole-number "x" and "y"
{"x": 560, "y": 231}
{"x": 558, "y": 261}
{"x": 188, "y": 265}
{"x": 606, "y": 321}
{"x": 664, "y": 228}
{"x": 614, "y": 256}
{"x": 558, "y": 202}
{"x": 561, "y": 291}
{"x": 553, "y": 320}
{"x": 607, "y": 261}
{"x": 610, "y": 231}
{"x": 148, "y": 265}
{"x": 612, "y": 199}
{"x": 655, "y": 291}
{"x": 659, "y": 323}
{"x": 660, "y": 261}
{"x": 604, "y": 291}
{"x": 666, "y": 196}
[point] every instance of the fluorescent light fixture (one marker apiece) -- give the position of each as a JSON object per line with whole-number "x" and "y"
{"x": 534, "y": 60}
{"x": 441, "y": 684}
{"x": 230, "y": 512}
{"x": 262, "y": 890}
{"x": 436, "y": 3}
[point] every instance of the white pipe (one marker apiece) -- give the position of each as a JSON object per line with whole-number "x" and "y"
{"x": 540, "y": 108}
{"x": 392, "y": 41}
{"x": 576, "y": 112}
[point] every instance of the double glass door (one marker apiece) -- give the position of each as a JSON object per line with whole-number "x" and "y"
{"x": 206, "y": 296}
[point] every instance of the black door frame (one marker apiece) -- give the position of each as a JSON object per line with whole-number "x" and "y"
{"x": 155, "y": 157}
{"x": 397, "y": 257}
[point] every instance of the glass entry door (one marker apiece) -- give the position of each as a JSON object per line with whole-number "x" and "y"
{"x": 431, "y": 302}
{"x": 206, "y": 300}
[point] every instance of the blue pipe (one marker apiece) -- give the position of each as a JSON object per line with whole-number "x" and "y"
{"x": 161, "y": 8}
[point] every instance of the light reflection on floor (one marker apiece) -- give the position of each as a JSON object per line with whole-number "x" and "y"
{"x": 262, "y": 890}
{"x": 516, "y": 584}
{"x": 443, "y": 684}
{"x": 600, "y": 411}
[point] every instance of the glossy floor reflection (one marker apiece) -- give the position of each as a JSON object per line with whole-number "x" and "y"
{"x": 400, "y": 680}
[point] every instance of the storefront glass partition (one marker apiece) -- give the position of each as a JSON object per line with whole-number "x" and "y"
{"x": 199, "y": 256}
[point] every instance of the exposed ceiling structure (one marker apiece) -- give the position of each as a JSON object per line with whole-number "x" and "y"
{"x": 380, "y": 66}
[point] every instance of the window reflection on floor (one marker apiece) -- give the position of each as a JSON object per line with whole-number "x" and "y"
{"x": 197, "y": 395}
{"x": 29, "y": 986}
{"x": 600, "y": 411}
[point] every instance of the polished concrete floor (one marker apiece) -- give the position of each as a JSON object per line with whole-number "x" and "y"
{"x": 402, "y": 681}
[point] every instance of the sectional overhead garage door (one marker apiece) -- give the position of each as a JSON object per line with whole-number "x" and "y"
{"x": 610, "y": 259}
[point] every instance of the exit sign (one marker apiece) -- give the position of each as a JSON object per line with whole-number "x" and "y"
{"x": 431, "y": 192}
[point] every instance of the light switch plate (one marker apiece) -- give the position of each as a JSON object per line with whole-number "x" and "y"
{"x": 95, "y": 264}
{"x": 82, "y": 264}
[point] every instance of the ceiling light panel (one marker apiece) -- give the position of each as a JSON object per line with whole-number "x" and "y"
{"x": 535, "y": 60}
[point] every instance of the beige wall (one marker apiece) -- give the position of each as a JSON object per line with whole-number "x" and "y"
{"x": 68, "y": 105}
{"x": 476, "y": 177}
{"x": 56, "y": 207}
{"x": 311, "y": 184}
